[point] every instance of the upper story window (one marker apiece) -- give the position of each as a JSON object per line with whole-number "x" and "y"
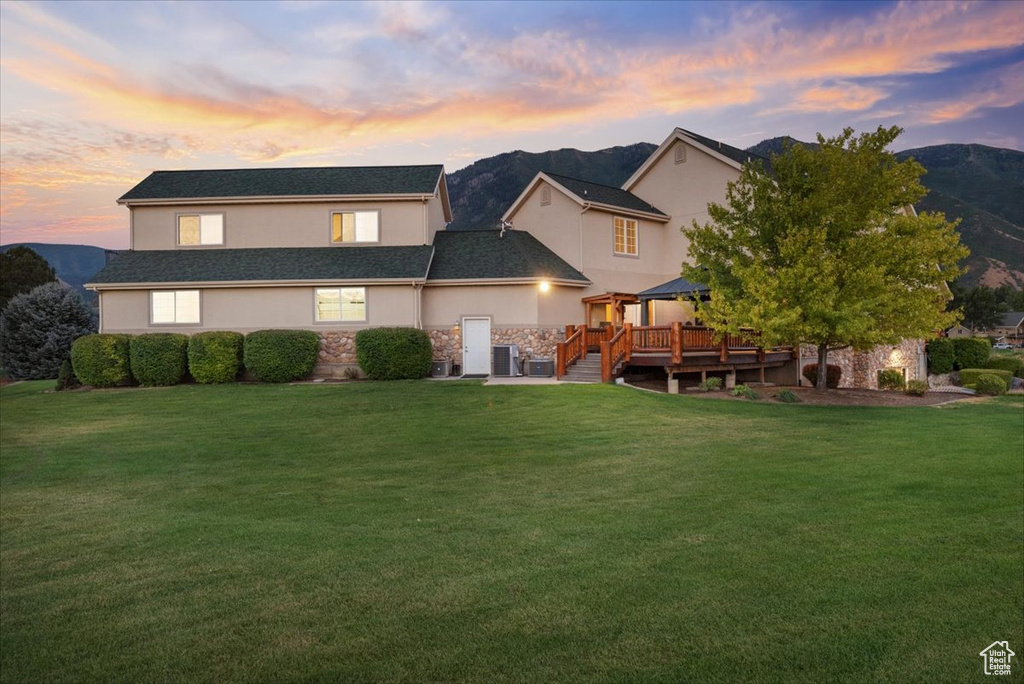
{"x": 625, "y": 236}
{"x": 200, "y": 229}
{"x": 355, "y": 226}
{"x": 343, "y": 304}
{"x": 174, "y": 306}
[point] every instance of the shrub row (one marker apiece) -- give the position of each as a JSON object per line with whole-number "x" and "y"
{"x": 970, "y": 376}
{"x": 991, "y": 385}
{"x": 946, "y": 355}
{"x": 1007, "y": 363}
{"x": 108, "y": 360}
{"x": 890, "y": 379}
{"x": 833, "y": 374}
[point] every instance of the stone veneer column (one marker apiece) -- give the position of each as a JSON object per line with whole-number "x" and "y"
{"x": 860, "y": 369}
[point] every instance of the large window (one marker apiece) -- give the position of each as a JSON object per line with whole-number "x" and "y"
{"x": 200, "y": 229}
{"x": 343, "y": 304}
{"x": 625, "y": 236}
{"x": 174, "y": 306}
{"x": 355, "y": 226}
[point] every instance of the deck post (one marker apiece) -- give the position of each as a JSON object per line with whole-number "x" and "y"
{"x": 676, "y": 342}
{"x": 673, "y": 384}
{"x": 606, "y": 361}
{"x": 723, "y": 349}
{"x": 560, "y": 360}
{"x": 629, "y": 341}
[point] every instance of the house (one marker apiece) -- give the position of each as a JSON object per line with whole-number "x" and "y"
{"x": 959, "y": 330}
{"x": 339, "y": 249}
{"x": 1010, "y": 329}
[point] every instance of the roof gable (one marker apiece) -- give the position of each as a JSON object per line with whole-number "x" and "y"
{"x": 587, "y": 194}
{"x": 727, "y": 154}
{"x": 327, "y": 181}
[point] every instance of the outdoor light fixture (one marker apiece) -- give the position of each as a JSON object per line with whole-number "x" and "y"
{"x": 544, "y": 286}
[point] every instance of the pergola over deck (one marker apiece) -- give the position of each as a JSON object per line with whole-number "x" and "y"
{"x": 611, "y": 302}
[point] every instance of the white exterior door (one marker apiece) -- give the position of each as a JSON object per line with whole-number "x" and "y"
{"x": 476, "y": 346}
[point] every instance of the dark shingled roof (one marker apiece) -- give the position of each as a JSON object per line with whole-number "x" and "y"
{"x": 675, "y": 288}
{"x": 287, "y": 263}
{"x": 298, "y": 182}
{"x": 1011, "y": 319}
{"x": 734, "y": 153}
{"x": 605, "y": 194}
{"x": 472, "y": 254}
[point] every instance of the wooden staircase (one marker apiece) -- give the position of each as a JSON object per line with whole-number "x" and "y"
{"x": 584, "y": 370}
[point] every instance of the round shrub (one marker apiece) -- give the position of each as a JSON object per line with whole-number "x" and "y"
{"x": 941, "y": 355}
{"x": 1007, "y": 363}
{"x": 37, "y": 329}
{"x": 158, "y": 358}
{"x": 969, "y": 376}
{"x": 990, "y": 385}
{"x": 971, "y": 352}
{"x": 280, "y": 355}
{"x": 394, "y": 353}
{"x": 102, "y": 360}
{"x": 891, "y": 380}
{"x": 215, "y": 356}
{"x": 916, "y": 388}
{"x": 833, "y": 375}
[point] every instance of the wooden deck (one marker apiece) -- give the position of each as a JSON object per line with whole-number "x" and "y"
{"x": 676, "y": 348}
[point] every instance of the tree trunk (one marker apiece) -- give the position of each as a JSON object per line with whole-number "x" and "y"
{"x": 822, "y": 382}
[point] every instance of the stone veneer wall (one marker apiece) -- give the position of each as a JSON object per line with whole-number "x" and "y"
{"x": 338, "y": 348}
{"x": 532, "y": 342}
{"x": 860, "y": 369}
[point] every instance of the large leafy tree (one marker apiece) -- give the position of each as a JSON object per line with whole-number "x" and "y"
{"x": 826, "y": 249}
{"x": 22, "y": 270}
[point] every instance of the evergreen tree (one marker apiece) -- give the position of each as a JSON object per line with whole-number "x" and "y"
{"x": 37, "y": 329}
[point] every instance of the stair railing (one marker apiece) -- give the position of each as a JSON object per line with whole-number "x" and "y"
{"x": 571, "y": 350}
{"x": 616, "y": 350}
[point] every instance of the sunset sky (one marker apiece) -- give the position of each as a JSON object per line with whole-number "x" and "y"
{"x": 94, "y": 96}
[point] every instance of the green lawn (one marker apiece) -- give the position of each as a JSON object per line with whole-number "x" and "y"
{"x": 448, "y": 531}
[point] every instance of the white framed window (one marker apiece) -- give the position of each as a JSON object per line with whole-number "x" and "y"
{"x": 625, "y": 236}
{"x": 340, "y": 304}
{"x": 195, "y": 230}
{"x": 355, "y": 226}
{"x": 169, "y": 307}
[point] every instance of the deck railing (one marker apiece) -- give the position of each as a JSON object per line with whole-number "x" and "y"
{"x": 615, "y": 351}
{"x": 571, "y": 350}
{"x": 672, "y": 340}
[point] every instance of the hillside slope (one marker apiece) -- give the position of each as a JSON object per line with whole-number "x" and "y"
{"x": 74, "y": 264}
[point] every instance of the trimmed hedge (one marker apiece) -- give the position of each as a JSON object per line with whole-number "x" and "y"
{"x": 971, "y": 352}
{"x": 916, "y": 388}
{"x": 990, "y": 385}
{"x": 941, "y": 355}
{"x": 394, "y": 353}
{"x": 1007, "y": 363}
{"x": 833, "y": 375}
{"x": 969, "y": 376}
{"x": 159, "y": 358}
{"x": 889, "y": 379}
{"x": 102, "y": 360}
{"x": 215, "y": 356}
{"x": 280, "y": 355}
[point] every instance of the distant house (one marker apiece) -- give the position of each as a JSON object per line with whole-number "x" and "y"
{"x": 340, "y": 249}
{"x": 1010, "y": 328}
{"x": 959, "y": 330}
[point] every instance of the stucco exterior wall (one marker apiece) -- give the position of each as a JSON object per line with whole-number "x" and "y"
{"x": 683, "y": 191}
{"x": 556, "y": 225}
{"x": 288, "y": 224}
{"x": 248, "y": 309}
{"x": 507, "y": 305}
